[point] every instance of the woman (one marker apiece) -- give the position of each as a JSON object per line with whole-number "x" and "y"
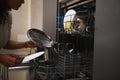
{"x": 9, "y": 59}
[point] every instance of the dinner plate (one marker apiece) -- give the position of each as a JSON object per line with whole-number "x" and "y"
{"x": 40, "y": 38}
{"x": 68, "y": 18}
{"x": 30, "y": 57}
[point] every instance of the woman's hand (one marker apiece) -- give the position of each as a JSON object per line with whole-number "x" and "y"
{"x": 9, "y": 60}
{"x": 18, "y": 45}
{"x": 30, "y": 44}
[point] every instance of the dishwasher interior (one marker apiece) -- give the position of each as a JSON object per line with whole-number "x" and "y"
{"x": 61, "y": 62}
{"x": 71, "y": 56}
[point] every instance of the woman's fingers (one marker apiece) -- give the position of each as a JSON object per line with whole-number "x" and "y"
{"x": 9, "y": 60}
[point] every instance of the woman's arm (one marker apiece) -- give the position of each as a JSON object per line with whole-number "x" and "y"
{"x": 17, "y": 45}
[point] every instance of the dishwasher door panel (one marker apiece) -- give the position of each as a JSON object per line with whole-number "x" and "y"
{"x": 19, "y": 73}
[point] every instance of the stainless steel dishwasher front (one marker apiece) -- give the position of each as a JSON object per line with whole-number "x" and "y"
{"x": 19, "y": 73}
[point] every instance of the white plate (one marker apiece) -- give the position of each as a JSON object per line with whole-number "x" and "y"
{"x": 32, "y": 56}
{"x": 69, "y": 15}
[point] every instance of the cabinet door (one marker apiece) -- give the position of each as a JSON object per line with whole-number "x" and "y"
{"x": 107, "y": 40}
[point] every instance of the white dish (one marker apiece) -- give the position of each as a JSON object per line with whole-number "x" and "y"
{"x": 32, "y": 56}
{"x": 69, "y": 16}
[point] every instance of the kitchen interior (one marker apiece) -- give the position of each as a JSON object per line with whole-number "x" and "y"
{"x": 83, "y": 36}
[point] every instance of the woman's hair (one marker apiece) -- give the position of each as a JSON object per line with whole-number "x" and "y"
{"x": 3, "y": 10}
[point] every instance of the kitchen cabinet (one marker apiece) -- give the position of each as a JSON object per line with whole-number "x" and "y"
{"x": 49, "y": 17}
{"x": 107, "y": 40}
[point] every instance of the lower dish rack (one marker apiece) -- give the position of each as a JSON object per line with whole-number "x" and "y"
{"x": 66, "y": 67}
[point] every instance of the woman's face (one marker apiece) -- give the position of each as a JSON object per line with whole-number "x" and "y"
{"x": 15, "y": 4}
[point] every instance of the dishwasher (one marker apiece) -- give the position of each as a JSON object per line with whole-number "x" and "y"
{"x": 61, "y": 66}
{"x": 60, "y": 61}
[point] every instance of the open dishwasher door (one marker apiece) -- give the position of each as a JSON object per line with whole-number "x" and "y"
{"x": 21, "y": 72}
